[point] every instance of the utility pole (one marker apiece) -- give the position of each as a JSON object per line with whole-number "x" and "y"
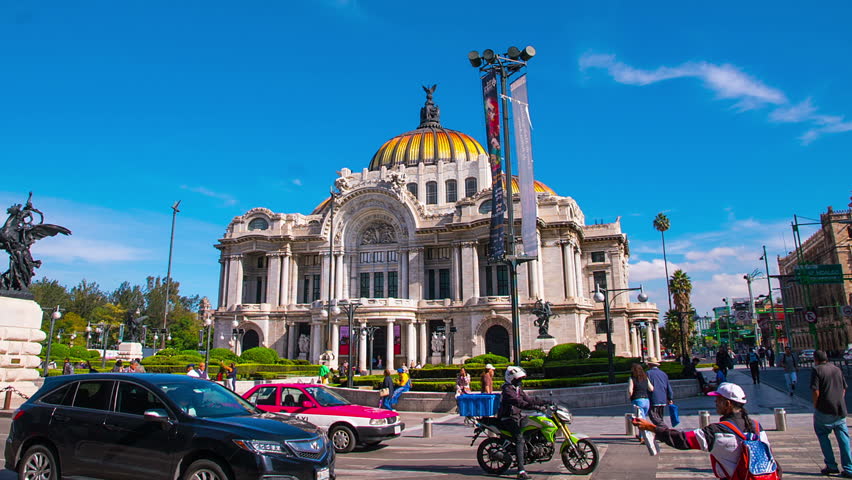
{"x": 169, "y": 270}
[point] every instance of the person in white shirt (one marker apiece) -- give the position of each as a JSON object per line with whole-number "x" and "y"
{"x": 191, "y": 371}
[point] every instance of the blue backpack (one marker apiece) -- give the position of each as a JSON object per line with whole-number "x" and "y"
{"x": 757, "y": 462}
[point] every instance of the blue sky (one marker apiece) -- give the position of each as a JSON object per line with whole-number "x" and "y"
{"x": 730, "y": 118}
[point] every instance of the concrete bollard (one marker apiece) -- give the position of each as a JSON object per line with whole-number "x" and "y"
{"x": 780, "y": 420}
{"x": 629, "y": 428}
{"x": 7, "y": 403}
{"x": 427, "y": 428}
{"x": 703, "y": 418}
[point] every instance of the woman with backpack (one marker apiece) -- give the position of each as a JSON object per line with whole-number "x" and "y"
{"x": 734, "y": 443}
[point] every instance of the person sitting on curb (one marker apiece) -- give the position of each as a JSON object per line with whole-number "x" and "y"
{"x": 724, "y": 446}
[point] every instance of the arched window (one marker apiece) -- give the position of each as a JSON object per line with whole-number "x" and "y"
{"x": 432, "y": 193}
{"x": 470, "y": 186}
{"x": 412, "y": 187}
{"x": 452, "y": 191}
{"x": 485, "y": 207}
{"x": 258, "y": 224}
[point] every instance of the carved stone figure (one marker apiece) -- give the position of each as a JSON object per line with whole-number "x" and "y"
{"x": 17, "y": 235}
{"x": 378, "y": 234}
{"x": 342, "y": 184}
{"x": 430, "y": 114}
{"x": 437, "y": 344}
{"x": 304, "y": 343}
{"x": 133, "y": 328}
{"x": 543, "y": 311}
{"x": 397, "y": 181}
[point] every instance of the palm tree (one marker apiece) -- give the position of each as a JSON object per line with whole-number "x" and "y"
{"x": 680, "y": 286}
{"x": 662, "y": 223}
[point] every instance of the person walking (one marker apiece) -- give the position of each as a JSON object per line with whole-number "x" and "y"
{"x": 323, "y": 374}
{"x": 828, "y": 391}
{"x": 487, "y": 379}
{"x": 117, "y": 368}
{"x": 639, "y": 389}
{"x": 67, "y": 367}
{"x": 232, "y": 377}
{"x": 191, "y": 371}
{"x": 754, "y": 365}
{"x": 761, "y": 353}
{"x": 513, "y": 399}
{"x": 202, "y": 371}
{"x": 137, "y": 366}
{"x": 462, "y": 382}
{"x": 770, "y": 356}
{"x": 661, "y": 391}
{"x": 724, "y": 446}
{"x": 791, "y": 366}
{"x": 386, "y": 389}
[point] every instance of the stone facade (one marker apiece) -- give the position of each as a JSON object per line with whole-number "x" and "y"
{"x": 410, "y": 243}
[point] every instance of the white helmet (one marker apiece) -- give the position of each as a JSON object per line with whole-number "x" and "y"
{"x": 514, "y": 373}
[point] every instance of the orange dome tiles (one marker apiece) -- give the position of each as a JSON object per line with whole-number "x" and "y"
{"x": 426, "y": 145}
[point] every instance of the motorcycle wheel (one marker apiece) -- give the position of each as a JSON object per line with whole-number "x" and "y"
{"x": 492, "y": 457}
{"x": 581, "y": 458}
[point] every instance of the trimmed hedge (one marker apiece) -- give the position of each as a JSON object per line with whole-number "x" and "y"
{"x": 487, "y": 358}
{"x": 568, "y": 351}
{"x": 533, "y": 354}
{"x": 260, "y": 355}
{"x": 570, "y": 368}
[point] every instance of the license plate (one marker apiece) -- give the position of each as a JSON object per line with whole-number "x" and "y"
{"x": 396, "y": 430}
{"x": 322, "y": 474}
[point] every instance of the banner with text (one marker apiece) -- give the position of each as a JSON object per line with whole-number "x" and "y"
{"x": 497, "y": 239}
{"x": 526, "y": 178}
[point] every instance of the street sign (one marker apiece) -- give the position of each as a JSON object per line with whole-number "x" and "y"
{"x": 742, "y": 315}
{"x": 819, "y": 274}
{"x": 810, "y": 316}
{"x": 847, "y": 310}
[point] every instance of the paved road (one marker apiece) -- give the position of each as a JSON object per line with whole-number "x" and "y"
{"x": 775, "y": 377}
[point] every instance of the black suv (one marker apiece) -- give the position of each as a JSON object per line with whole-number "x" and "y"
{"x": 156, "y": 426}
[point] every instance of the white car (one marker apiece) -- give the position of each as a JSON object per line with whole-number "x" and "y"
{"x": 806, "y": 355}
{"x": 847, "y": 355}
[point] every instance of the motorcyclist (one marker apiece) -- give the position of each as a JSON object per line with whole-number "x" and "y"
{"x": 512, "y": 400}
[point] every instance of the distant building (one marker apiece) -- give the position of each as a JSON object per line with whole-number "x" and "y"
{"x": 830, "y": 245}
{"x": 410, "y": 237}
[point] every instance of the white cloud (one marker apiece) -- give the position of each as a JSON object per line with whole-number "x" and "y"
{"x": 227, "y": 199}
{"x": 727, "y": 82}
{"x": 655, "y": 269}
{"x": 707, "y": 294}
{"x": 297, "y": 182}
{"x": 73, "y": 249}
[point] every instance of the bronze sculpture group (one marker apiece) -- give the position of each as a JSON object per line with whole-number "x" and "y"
{"x": 17, "y": 235}
{"x": 543, "y": 311}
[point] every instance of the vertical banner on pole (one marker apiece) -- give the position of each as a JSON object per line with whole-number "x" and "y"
{"x": 523, "y": 146}
{"x": 492, "y": 130}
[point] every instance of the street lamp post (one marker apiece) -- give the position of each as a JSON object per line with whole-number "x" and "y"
{"x": 54, "y": 316}
{"x": 169, "y": 270}
{"x": 506, "y": 65}
{"x": 330, "y": 307}
{"x": 370, "y": 333}
{"x": 329, "y": 310}
{"x": 765, "y": 259}
{"x": 349, "y": 307}
{"x": 103, "y": 329}
{"x": 207, "y": 317}
{"x": 602, "y": 295}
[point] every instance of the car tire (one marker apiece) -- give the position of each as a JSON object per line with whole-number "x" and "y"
{"x": 205, "y": 470}
{"x": 39, "y": 462}
{"x": 342, "y": 438}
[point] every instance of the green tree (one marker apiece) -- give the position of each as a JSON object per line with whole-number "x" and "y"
{"x": 85, "y": 298}
{"x": 662, "y": 224}
{"x": 682, "y": 315}
{"x": 128, "y": 297}
{"x": 50, "y": 293}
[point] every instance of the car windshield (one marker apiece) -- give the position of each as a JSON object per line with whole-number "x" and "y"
{"x": 207, "y": 400}
{"x": 327, "y": 398}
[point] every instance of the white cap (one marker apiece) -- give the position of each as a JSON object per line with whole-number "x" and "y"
{"x": 489, "y": 367}
{"x": 731, "y": 391}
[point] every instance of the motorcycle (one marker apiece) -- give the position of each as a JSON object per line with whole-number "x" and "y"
{"x": 496, "y": 454}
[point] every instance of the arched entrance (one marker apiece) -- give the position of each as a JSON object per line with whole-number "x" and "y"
{"x": 250, "y": 340}
{"x": 497, "y": 341}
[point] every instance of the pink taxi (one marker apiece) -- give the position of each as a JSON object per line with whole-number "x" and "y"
{"x": 347, "y": 424}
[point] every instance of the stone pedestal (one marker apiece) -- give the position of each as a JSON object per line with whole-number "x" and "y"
{"x": 544, "y": 343}
{"x": 20, "y": 334}
{"x": 129, "y": 351}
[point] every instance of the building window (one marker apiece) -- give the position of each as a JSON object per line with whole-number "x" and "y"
{"x": 392, "y": 256}
{"x": 600, "y": 327}
{"x": 598, "y": 257}
{"x": 485, "y": 207}
{"x": 600, "y": 279}
{"x": 393, "y": 285}
{"x": 412, "y": 187}
{"x": 431, "y": 193}
{"x": 258, "y": 224}
{"x": 260, "y": 262}
{"x": 444, "y": 283}
{"x": 430, "y": 285}
{"x": 437, "y": 253}
{"x": 452, "y": 191}
{"x": 365, "y": 285}
{"x": 311, "y": 260}
{"x": 502, "y": 280}
{"x": 306, "y": 288}
{"x": 365, "y": 257}
{"x": 258, "y": 291}
{"x": 379, "y": 285}
{"x": 489, "y": 282}
{"x": 316, "y": 287}
{"x": 470, "y": 186}
{"x": 379, "y": 257}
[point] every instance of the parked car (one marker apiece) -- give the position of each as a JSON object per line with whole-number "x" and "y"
{"x": 347, "y": 424}
{"x": 807, "y": 355}
{"x": 158, "y": 427}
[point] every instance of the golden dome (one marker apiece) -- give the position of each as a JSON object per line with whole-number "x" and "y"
{"x": 428, "y": 144}
{"x": 537, "y": 186}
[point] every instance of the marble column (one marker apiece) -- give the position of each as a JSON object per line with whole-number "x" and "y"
{"x": 454, "y": 273}
{"x": 402, "y": 260}
{"x": 582, "y": 291}
{"x": 335, "y": 344}
{"x": 362, "y": 349}
{"x": 389, "y": 361}
{"x": 284, "y": 288}
{"x": 294, "y": 279}
{"x": 222, "y": 282}
{"x": 633, "y": 340}
{"x": 449, "y": 352}
{"x": 415, "y": 273}
{"x": 566, "y": 270}
{"x": 325, "y": 271}
{"x": 235, "y": 280}
{"x": 291, "y": 340}
{"x": 475, "y": 260}
{"x": 338, "y": 276}
{"x": 410, "y": 342}
{"x": 316, "y": 342}
{"x": 273, "y": 279}
{"x": 532, "y": 272}
{"x": 570, "y": 267}
{"x": 423, "y": 347}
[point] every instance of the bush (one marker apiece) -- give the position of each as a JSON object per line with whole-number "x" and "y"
{"x": 536, "y": 363}
{"x": 532, "y": 354}
{"x": 168, "y": 352}
{"x": 80, "y": 352}
{"x": 487, "y": 358}
{"x": 93, "y": 354}
{"x": 569, "y": 368}
{"x": 299, "y": 361}
{"x": 189, "y": 352}
{"x": 58, "y": 350}
{"x": 285, "y": 361}
{"x": 599, "y": 354}
{"x": 223, "y": 355}
{"x": 568, "y": 351}
{"x": 260, "y": 355}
